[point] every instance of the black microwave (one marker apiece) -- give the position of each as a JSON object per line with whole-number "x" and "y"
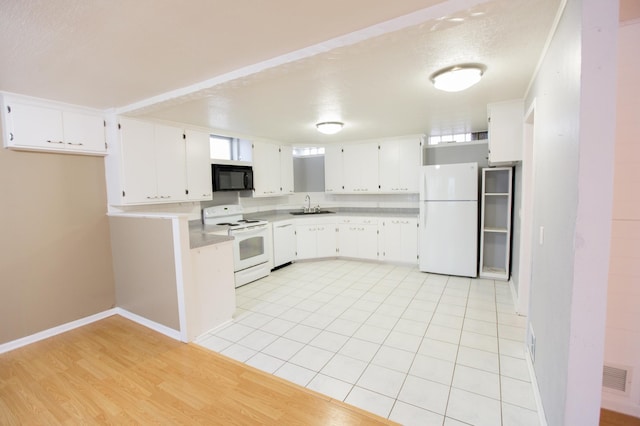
{"x": 230, "y": 177}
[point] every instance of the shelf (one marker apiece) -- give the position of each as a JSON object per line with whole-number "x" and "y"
{"x": 498, "y": 230}
{"x": 493, "y": 273}
{"x": 495, "y": 238}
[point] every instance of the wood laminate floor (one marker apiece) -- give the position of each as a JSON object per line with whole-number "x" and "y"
{"x": 611, "y": 418}
{"x": 117, "y": 372}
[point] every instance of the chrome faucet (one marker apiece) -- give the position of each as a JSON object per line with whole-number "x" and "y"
{"x": 308, "y": 200}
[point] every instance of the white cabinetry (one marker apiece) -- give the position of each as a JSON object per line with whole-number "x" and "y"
{"x": 153, "y": 162}
{"x": 212, "y": 299}
{"x": 272, "y": 169}
{"x": 399, "y": 164}
{"x": 315, "y": 239}
{"x": 38, "y": 125}
{"x": 399, "y": 240}
{"x": 333, "y": 169}
{"x": 199, "y": 186}
{"x": 358, "y": 238}
{"x": 505, "y": 131}
{"x": 284, "y": 242}
{"x": 495, "y": 236}
{"x": 360, "y": 168}
{"x": 286, "y": 169}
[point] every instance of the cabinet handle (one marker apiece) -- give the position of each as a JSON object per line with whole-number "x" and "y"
{"x": 151, "y": 198}
{"x": 11, "y": 136}
{"x": 56, "y": 142}
{"x": 165, "y": 196}
{"x": 76, "y": 144}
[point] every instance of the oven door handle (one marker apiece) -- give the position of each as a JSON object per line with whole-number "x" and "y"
{"x": 251, "y": 229}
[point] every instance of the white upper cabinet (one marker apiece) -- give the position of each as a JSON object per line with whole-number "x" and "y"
{"x": 286, "y": 169}
{"x": 272, "y": 169}
{"x": 138, "y": 161}
{"x": 333, "y": 169}
{"x": 399, "y": 164}
{"x": 153, "y": 162}
{"x": 387, "y": 166}
{"x": 361, "y": 168}
{"x": 170, "y": 163}
{"x": 37, "y": 125}
{"x": 505, "y": 131}
{"x": 199, "y": 183}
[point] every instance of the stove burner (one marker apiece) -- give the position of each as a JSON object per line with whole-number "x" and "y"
{"x": 248, "y": 221}
{"x": 227, "y": 224}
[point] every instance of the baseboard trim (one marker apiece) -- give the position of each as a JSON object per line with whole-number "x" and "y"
{"x": 619, "y": 404}
{"x": 162, "y": 329}
{"x": 536, "y": 390}
{"x": 45, "y": 334}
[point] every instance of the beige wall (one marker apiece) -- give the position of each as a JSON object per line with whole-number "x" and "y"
{"x": 55, "y": 254}
{"x": 145, "y": 268}
{"x": 622, "y": 347}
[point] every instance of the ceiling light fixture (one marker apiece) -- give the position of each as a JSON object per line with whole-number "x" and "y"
{"x": 457, "y": 77}
{"x": 329, "y": 127}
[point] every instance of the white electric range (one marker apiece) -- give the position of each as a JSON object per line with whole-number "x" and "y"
{"x": 251, "y": 243}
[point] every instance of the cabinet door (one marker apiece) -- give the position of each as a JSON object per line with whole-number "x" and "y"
{"x": 286, "y": 169}
{"x": 266, "y": 169}
{"x": 306, "y": 241}
{"x": 211, "y": 298}
{"x": 333, "y": 169}
{"x": 361, "y": 168}
{"x": 409, "y": 230}
{"x": 198, "y": 166}
{"x": 368, "y": 241}
{"x": 138, "y": 161}
{"x": 505, "y": 131}
{"x": 409, "y": 162}
{"x": 348, "y": 239}
{"x": 284, "y": 243}
{"x": 84, "y": 132}
{"x": 326, "y": 240}
{"x": 170, "y": 163}
{"x": 34, "y": 126}
{"x": 392, "y": 240}
{"x": 388, "y": 164}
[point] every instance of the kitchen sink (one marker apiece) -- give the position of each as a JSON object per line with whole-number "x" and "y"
{"x": 302, "y": 212}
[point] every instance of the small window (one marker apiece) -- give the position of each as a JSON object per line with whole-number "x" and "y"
{"x": 308, "y": 151}
{"x": 457, "y": 138}
{"x": 220, "y": 147}
{"x": 228, "y": 148}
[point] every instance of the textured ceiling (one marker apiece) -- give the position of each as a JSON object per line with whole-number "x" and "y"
{"x": 272, "y": 69}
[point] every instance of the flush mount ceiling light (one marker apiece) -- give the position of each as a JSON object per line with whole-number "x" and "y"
{"x": 329, "y": 127}
{"x": 457, "y": 77}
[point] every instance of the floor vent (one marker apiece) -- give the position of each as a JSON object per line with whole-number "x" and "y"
{"x": 616, "y": 378}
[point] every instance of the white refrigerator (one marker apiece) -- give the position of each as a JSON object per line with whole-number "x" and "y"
{"x": 448, "y": 227}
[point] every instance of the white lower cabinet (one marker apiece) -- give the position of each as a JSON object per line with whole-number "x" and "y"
{"x": 212, "y": 299}
{"x": 284, "y": 242}
{"x": 399, "y": 240}
{"x": 358, "y": 238}
{"x": 315, "y": 240}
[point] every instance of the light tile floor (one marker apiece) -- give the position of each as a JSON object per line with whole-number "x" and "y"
{"x": 417, "y": 348}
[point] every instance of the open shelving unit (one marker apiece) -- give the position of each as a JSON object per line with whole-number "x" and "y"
{"x": 495, "y": 235}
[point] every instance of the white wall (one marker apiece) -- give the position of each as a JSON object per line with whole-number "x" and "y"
{"x": 575, "y": 113}
{"x": 622, "y": 347}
